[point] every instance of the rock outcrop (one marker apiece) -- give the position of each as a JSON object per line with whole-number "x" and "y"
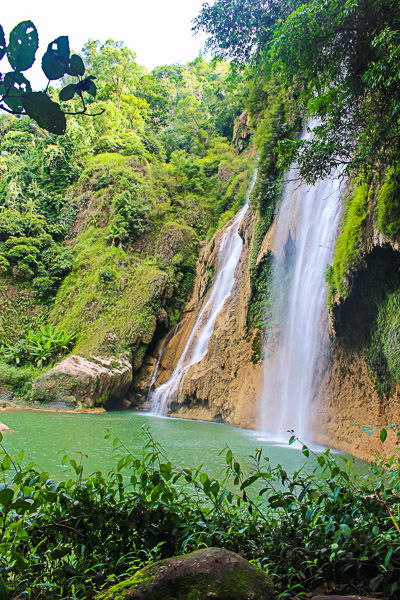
{"x": 209, "y": 574}
{"x": 77, "y": 380}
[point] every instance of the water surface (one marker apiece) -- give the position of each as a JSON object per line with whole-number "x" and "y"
{"x": 187, "y": 443}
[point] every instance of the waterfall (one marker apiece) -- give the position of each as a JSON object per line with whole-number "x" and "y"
{"x": 167, "y": 339}
{"x": 196, "y": 347}
{"x": 297, "y": 338}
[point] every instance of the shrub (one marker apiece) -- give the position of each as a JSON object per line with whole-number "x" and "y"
{"x": 38, "y": 348}
{"x": 321, "y": 525}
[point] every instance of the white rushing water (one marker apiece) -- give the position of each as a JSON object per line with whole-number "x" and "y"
{"x": 196, "y": 347}
{"x": 306, "y": 230}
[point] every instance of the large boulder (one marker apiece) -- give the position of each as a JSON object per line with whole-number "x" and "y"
{"x": 209, "y": 574}
{"x": 77, "y": 380}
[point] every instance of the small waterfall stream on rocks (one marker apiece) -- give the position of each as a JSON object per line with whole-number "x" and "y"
{"x": 196, "y": 347}
{"x": 297, "y": 338}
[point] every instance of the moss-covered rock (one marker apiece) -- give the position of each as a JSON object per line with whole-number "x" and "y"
{"x": 207, "y": 574}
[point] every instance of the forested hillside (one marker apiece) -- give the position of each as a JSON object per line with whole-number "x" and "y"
{"x": 100, "y": 227}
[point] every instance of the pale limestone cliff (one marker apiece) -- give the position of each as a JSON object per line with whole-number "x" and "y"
{"x": 347, "y": 402}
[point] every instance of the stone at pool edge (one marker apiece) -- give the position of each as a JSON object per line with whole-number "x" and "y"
{"x": 4, "y": 427}
{"x": 208, "y": 574}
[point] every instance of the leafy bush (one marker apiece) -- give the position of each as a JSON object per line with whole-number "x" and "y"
{"x": 319, "y": 525}
{"x": 38, "y": 348}
{"x": 18, "y": 378}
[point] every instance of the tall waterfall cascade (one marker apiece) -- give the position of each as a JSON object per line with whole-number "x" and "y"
{"x": 196, "y": 347}
{"x": 297, "y": 338}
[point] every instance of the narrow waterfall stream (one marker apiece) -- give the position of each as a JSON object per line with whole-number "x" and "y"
{"x": 196, "y": 346}
{"x": 297, "y": 340}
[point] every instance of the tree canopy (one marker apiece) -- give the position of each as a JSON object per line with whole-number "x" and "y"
{"x": 341, "y": 57}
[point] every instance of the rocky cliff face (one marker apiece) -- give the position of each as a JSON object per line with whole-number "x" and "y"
{"x": 226, "y": 384}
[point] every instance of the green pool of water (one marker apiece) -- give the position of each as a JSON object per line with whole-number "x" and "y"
{"x": 187, "y": 443}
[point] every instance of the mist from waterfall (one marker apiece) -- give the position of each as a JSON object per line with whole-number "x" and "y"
{"x": 297, "y": 339}
{"x": 196, "y": 347}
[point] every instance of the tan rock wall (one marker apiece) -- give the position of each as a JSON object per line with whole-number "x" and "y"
{"x": 348, "y": 402}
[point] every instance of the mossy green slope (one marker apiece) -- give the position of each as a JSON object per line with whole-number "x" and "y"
{"x": 122, "y": 287}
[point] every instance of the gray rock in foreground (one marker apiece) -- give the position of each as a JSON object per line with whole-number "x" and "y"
{"x": 209, "y": 574}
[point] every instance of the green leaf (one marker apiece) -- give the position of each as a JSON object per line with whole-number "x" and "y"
{"x": 86, "y": 85}
{"x": 60, "y": 46}
{"x": 20, "y": 561}
{"x": 92, "y": 89}
{"x": 68, "y": 92}
{"x": 24, "y": 42}
{"x": 53, "y": 65}
{"x": 45, "y": 112}
{"x": 2, "y": 43}
{"x": 346, "y": 531}
{"x": 388, "y": 556}
{"x": 383, "y": 435}
{"x": 56, "y": 60}
{"x": 3, "y": 590}
{"x": 76, "y": 66}
{"x": 12, "y": 88}
{"x": 6, "y": 496}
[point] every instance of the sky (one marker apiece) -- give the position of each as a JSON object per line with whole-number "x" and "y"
{"x": 159, "y": 31}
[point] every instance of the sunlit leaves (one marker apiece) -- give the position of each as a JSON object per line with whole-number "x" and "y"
{"x": 23, "y": 43}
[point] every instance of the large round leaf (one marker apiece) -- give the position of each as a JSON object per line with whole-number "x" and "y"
{"x": 13, "y": 86}
{"x": 76, "y": 66}
{"x": 24, "y": 42}
{"x": 2, "y": 43}
{"x": 56, "y": 59}
{"x": 45, "y": 112}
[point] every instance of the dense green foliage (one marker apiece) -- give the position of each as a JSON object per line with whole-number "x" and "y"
{"x": 347, "y": 250}
{"x": 319, "y": 525}
{"x": 100, "y": 228}
{"x": 38, "y": 348}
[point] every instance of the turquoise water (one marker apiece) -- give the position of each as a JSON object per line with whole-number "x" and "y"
{"x": 187, "y": 443}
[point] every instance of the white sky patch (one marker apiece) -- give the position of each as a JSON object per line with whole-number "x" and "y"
{"x": 159, "y": 31}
